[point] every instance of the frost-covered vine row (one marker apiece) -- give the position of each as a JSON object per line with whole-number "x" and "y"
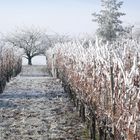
{"x": 10, "y": 64}
{"x": 106, "y": 78}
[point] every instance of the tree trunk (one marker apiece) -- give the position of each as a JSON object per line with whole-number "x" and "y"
{"x": 29, "y": 61}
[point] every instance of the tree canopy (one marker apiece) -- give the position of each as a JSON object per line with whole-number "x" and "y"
{"x": 108, "y": 19}
{"x": 33, "y": 41}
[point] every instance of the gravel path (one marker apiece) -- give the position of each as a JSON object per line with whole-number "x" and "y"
{"x": 34, "y": 107}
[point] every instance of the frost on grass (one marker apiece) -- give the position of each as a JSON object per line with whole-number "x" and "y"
{"x": 37, "y": 108}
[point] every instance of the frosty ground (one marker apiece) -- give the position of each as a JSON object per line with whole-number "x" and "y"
{"x": 34, "y": 106}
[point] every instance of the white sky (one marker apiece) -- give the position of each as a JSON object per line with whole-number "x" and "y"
{"x": 61, "y": 16}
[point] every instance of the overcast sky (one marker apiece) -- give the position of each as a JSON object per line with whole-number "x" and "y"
{"x": 61, "y": 16}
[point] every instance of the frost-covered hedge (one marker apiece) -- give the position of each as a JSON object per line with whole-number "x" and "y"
{"x": 106, "y": 78}
{"x": 10, "y": 64}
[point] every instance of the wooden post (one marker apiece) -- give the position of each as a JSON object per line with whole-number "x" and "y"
{"x": 53, "y": 66}
{"x": 93, "y": 123}
{"x": 77, "y": 104}
{"x": 101, "y": 134}
{"x": 93, "y": 127}
{"x": 113, "y": 99}
{"x": 82, "y": 112}
{"x": 1, "y": 87}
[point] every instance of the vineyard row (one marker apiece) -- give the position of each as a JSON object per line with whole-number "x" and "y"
{"x": 104, "y": 83}
{"x": 10, "y": 65}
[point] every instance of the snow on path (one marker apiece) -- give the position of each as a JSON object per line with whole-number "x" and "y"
{"x": 34, "y": 107}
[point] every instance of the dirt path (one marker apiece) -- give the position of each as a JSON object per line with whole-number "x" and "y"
{"x": 34, "y": 107}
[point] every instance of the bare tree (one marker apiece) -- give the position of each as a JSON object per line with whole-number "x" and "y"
{"x": 33, "y": 42}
